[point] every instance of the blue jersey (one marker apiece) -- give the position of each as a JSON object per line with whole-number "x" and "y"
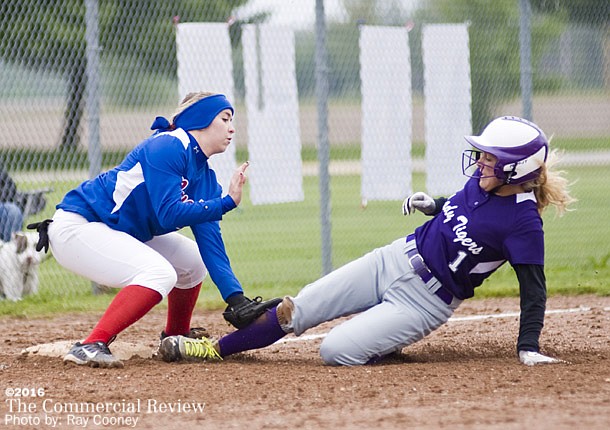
{"x": 163, "y": 185}
{"x": 475, "y": 233}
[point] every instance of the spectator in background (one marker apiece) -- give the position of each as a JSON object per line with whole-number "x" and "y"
{"x": 11, "y": 213}
{"x": 16, "y": 205}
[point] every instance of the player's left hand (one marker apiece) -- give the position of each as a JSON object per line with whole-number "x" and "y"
{"x": 420, "y": 201}
{"x": 531, "y": 358}
{"x": 242, "y": 311}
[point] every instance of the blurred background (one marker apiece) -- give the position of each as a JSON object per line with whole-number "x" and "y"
{"x": 47, "y": 126}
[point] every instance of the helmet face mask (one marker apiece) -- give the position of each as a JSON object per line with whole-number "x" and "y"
{"x": 519, "y": 145}
{"x": 472, "y": 166}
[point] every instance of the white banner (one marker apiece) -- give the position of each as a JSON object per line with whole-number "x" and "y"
{"x": 387, "y": 112}
{"x": 274, "y": 141}
{"x": 446, "y": 105}
{"x": 205, "y": 64}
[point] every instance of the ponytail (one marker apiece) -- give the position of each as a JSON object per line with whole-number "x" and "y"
{"x": 551, "y": 188}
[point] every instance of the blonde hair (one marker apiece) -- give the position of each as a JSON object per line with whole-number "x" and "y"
{"x": 551, "y": 188}
{"x": 189, "y": 99}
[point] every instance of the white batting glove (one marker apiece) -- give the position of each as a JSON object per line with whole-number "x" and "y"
{"x": 420, "y": 201}
{"x": 530, "y": 358}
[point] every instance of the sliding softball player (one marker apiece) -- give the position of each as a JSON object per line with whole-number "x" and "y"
{"x": 405, "y": 290}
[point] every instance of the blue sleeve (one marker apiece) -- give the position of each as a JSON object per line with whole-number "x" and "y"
{"x": 164, "y": 162}
{"x": 215, "y": 258}
{"x": 228, "y": 204}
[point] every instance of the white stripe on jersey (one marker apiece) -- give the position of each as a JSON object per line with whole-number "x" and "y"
{"x": 125, "y": 184}
{"x": 180, "y": 134}
{"x": 522, "y": 197}
{"x": 487, "y": 266}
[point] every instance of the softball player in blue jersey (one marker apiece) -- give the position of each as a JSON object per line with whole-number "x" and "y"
{"x": 120, "y": 228}
{"x": 405, "y": 290}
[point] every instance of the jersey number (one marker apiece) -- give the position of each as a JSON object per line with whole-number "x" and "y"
{"x": 458, "y": 260}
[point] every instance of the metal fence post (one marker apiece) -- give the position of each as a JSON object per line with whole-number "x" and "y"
{"x": 525, "y": 49}
{"x": 93, "y": 94}
{"x": 323, "y": 143}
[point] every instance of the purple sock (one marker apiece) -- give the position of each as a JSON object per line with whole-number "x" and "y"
{"x": 264, "y": 331}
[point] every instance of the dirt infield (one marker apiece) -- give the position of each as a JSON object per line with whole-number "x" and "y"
{"x": 465, "y": 375}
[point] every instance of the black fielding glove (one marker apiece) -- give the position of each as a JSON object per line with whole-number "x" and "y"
{"x": 42, "y": 228}
{"x": 242, "y": 311}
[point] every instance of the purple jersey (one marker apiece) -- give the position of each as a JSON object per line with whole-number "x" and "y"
{"x": 475, "y": 233}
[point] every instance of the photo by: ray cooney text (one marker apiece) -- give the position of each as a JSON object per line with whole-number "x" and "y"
{"x": 36, "y": 409}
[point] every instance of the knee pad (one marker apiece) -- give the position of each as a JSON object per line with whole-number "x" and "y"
{"x": 161, "y": 279}
{"x": 191, "y": 278}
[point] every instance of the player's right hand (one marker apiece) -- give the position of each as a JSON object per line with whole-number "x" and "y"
{"x": 237, "y": 183}
{"x": 420, "y": 201}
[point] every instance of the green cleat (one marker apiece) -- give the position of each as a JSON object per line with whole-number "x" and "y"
{"x": 177, "y": 348}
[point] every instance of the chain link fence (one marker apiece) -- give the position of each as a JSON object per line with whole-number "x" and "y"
{"x": 82, "y": 80}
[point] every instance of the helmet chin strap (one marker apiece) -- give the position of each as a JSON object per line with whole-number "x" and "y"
{"x": 505, "y": 182}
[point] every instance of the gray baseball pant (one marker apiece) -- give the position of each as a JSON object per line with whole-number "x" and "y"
{"x": 395, "y": 307}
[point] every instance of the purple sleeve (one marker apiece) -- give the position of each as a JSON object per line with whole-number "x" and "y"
{"x": 526, "y": 244}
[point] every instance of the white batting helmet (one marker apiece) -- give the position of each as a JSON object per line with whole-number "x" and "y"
{"x": 519, "y": 145}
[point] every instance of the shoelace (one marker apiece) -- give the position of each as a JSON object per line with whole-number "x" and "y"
{"x": 201, "y": 348}
{"x": 97, "y": 347}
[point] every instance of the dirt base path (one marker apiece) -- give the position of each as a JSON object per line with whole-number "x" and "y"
{"x": 464, "y": 375}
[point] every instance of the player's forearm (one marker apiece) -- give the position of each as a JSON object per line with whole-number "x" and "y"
{"x": 532, "y": 288}
{"x": 226, "y": 282}
{"x": 181, "y": 214}
{"x": 213, "y": 253}
{"x": 222, "y": 274}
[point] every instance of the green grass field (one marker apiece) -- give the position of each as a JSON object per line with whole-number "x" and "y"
{"x": 275, "y": 249}
{"x": 31, "y": 160}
